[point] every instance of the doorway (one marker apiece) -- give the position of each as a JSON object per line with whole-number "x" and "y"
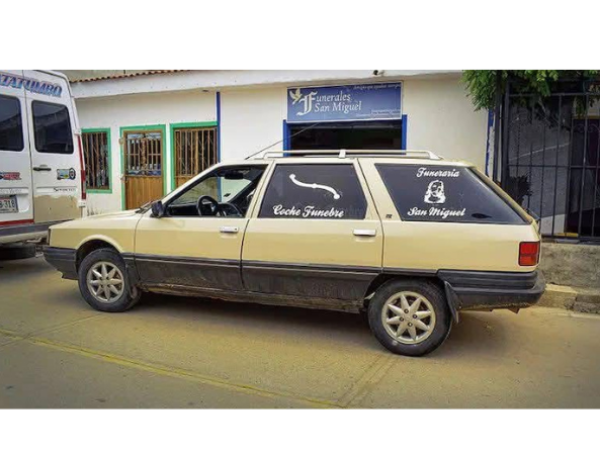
{"x": 371, "y": 135}
{"x": 143, "y": 160}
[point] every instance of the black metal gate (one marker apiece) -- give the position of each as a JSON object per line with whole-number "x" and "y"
{"x": 551, "y": 158}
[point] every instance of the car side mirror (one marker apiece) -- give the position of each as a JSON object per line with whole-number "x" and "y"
{"x": 158, "y": 209}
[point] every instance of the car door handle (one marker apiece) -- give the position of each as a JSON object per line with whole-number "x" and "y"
{"x": 364, "y": 232}
{"x": 229, "y": 229}
{"x": 43, "y": 168}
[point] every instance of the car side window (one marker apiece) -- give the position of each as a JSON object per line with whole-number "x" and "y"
{"x": 444, "y": 194}
{"x": 230, "y": 188}
{"x": 314, "y": 191}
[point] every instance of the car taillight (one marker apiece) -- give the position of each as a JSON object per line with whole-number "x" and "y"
{"x": 81, "y": 168}
{"x": 529, "y": 253}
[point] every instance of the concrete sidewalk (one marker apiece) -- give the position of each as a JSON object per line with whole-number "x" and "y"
{"x": 56, "y": 352}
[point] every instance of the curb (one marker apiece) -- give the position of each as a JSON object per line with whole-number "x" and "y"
{"x": 573, "y": 299}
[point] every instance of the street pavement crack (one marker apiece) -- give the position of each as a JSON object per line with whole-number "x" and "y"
{"x": 372, "y": 375}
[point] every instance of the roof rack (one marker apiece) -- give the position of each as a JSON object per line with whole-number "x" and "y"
{"x": 343, "y": 153}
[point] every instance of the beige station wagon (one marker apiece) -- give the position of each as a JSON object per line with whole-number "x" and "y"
{"x": 407, "y": 237}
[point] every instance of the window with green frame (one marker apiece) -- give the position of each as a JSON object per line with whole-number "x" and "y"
{"x": 96, "y": 152}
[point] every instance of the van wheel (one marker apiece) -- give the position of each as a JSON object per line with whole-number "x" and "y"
{"x": 16, "y": 251}
{"x": 104, "y": 283}
{"x": 410, "y": 317}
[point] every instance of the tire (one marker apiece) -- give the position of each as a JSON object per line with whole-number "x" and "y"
{"x": 101, "y": 261}
{"x": 421, "y": 337}
{"x": 13, "y": 252}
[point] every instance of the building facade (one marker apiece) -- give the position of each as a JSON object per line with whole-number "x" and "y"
{"x": 145, "y": 134}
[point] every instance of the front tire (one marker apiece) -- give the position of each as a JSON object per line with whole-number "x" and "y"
{"x": 104, "y": 282}
{"x": 410, "y": 317}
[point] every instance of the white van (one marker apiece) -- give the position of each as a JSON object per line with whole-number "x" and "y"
{"x": 42, "y": 174}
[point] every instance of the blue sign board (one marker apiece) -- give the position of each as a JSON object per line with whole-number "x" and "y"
{"x": 344, "y": 103}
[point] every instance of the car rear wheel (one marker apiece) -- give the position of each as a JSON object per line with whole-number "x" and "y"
{"x": 104, "y": 283}
{"x": 410, "y": 317}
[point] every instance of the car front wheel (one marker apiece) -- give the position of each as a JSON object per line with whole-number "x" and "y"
{"x": 104, "y": 283}
{"x": 410, "y": 317}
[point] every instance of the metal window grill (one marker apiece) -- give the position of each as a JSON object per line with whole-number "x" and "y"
{"x": 551, "y": 159}
{"x": 143, "y": 154}
{"x": 95, "y": 152}
{"x": 195, "y": 151}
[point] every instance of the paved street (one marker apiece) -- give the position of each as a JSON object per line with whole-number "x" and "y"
{"x": 55, "y": 351}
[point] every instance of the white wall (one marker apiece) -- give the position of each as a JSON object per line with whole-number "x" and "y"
{"x": 251, "y": 120}
{"x": 139, "y": 110}
{"x": 442, "y": 119}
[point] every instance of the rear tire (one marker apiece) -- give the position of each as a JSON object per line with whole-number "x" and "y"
{"x": 410, "y": 317}
{"x": 104, "y": 282}
{"x": 12, "y": 252}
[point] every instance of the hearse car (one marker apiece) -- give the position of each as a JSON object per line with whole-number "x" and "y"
{"x": 405, "y": 236}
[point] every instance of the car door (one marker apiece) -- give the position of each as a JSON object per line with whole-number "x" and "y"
{"x": 183, "y": 249}
{"x": 316, "y": 233}
{"x": 54, "y": 158}
{"x": 16, "y": 199}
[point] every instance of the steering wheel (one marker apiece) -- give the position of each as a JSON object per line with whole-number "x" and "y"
{"x": 207, "y": 205}
{"x": 227, "y": 208}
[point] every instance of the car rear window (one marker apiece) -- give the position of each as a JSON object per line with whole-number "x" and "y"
{"x": 444, "y": 194}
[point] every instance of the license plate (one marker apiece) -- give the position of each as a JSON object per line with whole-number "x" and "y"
{"x": 8, "y": 204}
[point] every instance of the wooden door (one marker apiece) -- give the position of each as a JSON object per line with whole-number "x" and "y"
{"x": 143, "y": 167}
{"x": 195, "y": 151}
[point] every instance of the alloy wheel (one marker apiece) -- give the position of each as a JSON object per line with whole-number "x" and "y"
{"x": 408, "y": 317}
{"x": 105, "y": 282}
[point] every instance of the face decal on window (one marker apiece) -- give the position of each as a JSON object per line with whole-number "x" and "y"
{"x": 435, "y": 192}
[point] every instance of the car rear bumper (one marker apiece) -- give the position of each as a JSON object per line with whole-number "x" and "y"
{"x": 62, "y": 259}
{"x": 492, "y": 290}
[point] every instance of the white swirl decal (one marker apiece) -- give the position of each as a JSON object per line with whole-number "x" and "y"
{"x": 315, "y": 186}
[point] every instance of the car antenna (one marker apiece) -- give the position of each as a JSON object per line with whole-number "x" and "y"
{"x": 280, "y": 141}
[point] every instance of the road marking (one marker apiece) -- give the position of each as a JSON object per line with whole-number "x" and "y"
{"x": 367, "y": 381}
{"x": 63, "y": 325}
{"x": 370, "y": 377}
{"x": 11, "y": 334}
{"x": 14, "y": 338}
{"x": 177, "y": 372}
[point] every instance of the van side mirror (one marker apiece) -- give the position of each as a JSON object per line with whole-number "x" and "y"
{"x": 158, "y": 209}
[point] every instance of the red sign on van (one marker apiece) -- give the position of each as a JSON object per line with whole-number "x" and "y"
{"x": 10, "y": 176}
